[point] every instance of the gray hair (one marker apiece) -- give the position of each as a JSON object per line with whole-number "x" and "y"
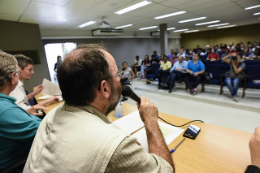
{"x": 8, "y": 65}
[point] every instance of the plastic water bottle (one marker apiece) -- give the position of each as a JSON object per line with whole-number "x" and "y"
{"x": 119, "y": 110}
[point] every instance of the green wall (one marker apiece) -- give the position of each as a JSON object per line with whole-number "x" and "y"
{"x": 235, "y": 34}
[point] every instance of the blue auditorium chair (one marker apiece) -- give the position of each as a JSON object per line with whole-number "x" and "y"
{"x": 253, "y": 74}
{"x": 154, "y": 68}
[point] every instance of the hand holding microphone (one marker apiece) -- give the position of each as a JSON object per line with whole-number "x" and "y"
{"x": 148, "y": 112}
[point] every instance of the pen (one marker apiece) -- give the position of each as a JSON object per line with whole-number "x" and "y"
{"x": 177, "y": 146}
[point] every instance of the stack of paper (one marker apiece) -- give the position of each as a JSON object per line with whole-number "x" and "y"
{"x": 50, "y": 89}
{"x": 130, "y": 123}
{"x": 169, "y": 134}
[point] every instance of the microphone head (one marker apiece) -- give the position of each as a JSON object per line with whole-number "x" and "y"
{"x": 126, "y": 91}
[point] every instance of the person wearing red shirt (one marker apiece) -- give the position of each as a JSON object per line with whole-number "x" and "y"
{"x": 213, "y": 56}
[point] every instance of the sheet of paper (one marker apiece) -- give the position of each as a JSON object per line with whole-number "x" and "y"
{"x": 50, "y": 88}
{"x": 48, "y": 96}
{"x": 169, "y": 134}
{"x": 130, "y": 123}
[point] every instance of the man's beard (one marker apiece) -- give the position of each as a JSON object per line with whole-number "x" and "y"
{"x": 114, "y": 98}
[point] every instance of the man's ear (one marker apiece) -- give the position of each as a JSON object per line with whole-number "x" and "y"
{"x": 20, "y": 69}
{"x": 105, "y": 89}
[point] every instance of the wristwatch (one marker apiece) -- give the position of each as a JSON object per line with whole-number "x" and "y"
{"x": 252, "y": 169}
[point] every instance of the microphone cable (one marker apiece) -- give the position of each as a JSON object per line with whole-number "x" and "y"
{"x": 181, "y": 125}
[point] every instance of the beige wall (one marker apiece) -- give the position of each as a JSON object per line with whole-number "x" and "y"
{"x": 15, "y": 36}
{"x": 235, "y": 34}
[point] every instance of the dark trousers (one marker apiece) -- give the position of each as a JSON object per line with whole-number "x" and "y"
{"x": 192, "y": 81}
{"x": 159, "y": 74}
{"x": 172, "y": 77}
{"x": 124, "y": 81}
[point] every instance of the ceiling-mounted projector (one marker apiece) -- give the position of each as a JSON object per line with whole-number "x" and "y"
{"x": 106, "y": 32}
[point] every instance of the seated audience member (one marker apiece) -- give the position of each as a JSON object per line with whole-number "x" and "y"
{"x": 254, "y": 46}
{"x": 126, "y": 77}
{"x": 254, "y": 56}
{"x": 154, "y": 60}
{"x": 177, "y": 70}
{"x": 217, "y": 49}
{"x": 242, "y": 47}
{"x": 176, "y": 52}
{"x": 207, "y": 48}
{"x": 222, "y": 48}
{"x": 225, "y": 54}
{"x": 245, "y": 54}
{"x": 164, "y": 70}
{"x": 182, "y": 53}
{"x": 145, "y": 65}
{"x": 25, "y": 65}
{"x": 137, "y": 65}
{"x": 198, "y": 48}
{"x": 250, "y": 47}
{"x": 161, "y": 58}
{"x": 173, "y": 59}
{"x": 78, "y": 137}
{"x": 156, "y": 55}
{"x": 201, "y": 53}
{"x": 213, "y": 56}
{"x": 234, "y": 50}
{"x": 258, "y": 46}
{"x": 194, "y": 68}
{"x": 186, "y": 58}
{"x": 235, "y": 75}
{"x": 254, "y": 146}
{"x": 190, "y": 54}
{"x": 231, "y": 46}
{"x": 208, "y": 52}
{"x": 171, "y": 54}
{"x": 17, "y": 127}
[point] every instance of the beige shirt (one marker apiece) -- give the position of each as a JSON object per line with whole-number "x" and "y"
{"x": 20, "y": 95}
{"x": 72, "y": 139}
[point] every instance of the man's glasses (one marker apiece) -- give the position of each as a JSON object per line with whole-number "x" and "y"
{"x": 118, "y": 74}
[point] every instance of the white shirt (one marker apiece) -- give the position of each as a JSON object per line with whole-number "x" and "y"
{"x": 20, "y": 95}
{"x": 127, "y": 73}
{"x": 183, "y": 54}
{"x": 138, "y": 63}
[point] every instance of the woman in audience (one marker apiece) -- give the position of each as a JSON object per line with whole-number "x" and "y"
{"x": 235, "y": 75}
{"x": 234, "y": 50}
{"x": 208, "y": 52}
{"x": 127, "y": 76}
{"x": 190, "y": 54}
{"x": 245, "y": 54}
{"x": 213, "y": 56}
{"x": 242, "y": 47}
{"x": 145, "y": 64}
{"x": 17, "y": 127}
{"x": 250, "y": 47}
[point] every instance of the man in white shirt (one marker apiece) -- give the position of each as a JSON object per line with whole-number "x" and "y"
{"x": 137, "y": 65}
{"x": 177, "y": 70}
{"x": 25, "y": 65}
{"x": 182, "y": 53}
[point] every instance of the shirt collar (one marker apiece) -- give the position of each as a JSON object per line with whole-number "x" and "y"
{"x": 20, "y": 83}
{"x": 87, "y": 108}
{"x": 7, "y": 97}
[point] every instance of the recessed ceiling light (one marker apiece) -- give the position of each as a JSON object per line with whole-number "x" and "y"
{"x": 124, "y": 26}
{"x": 218, "y": 25}
{"x": 226, "y": 26}
{"x": 248, "y": 8}
{"x": 180, "y": 30}
{"x": 189, "y": 20}
{"x": 191, "y": 31}
{"x": 133, "y": 7}
{"x": 169, "y": 15}
{"x": 256, "y": 13}
{"x": 86, "y": 24}
{"x": 215, "y": 21}
{"x": 150, "y": 27}
{"x": 170, "y": 28}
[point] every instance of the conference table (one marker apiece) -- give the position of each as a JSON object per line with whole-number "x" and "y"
{"x": 216, "y": 149}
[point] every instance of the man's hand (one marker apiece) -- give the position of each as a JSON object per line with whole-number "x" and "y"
{"x": 177, "y": 69}
{"x": 52, "y": 98}
{"x": 148, "y": 112}
{"x": 38, "y": 90}
{"x": 191, "y": 72}
{"x": 254, "y": 146}
{"x": 196, "y": 74}
{"x": 33, "y": 110}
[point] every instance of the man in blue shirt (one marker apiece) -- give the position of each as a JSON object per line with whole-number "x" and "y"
{"x": 177, "y": 70}
{"x": 156, "y": 55}
{"x": 194, "y": 68}
{"x": 17, "y": 127}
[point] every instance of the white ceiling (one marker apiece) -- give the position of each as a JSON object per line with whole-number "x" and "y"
{"x": 68, "y": 14}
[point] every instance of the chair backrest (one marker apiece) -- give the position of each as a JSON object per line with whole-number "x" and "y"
{"x": 252, "y": 62}
{"x": 216, "y": 70}
{"x": 154, "y": 68}
{"x": 253, "y": 70}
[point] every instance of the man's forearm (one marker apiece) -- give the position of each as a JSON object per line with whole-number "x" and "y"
{"x": 200, "y": 72}
{"x": 156, "y": 142}
{"x": 29, "y": 96}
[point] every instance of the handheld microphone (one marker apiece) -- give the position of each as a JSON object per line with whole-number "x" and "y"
{"x": 127, "y": 92}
